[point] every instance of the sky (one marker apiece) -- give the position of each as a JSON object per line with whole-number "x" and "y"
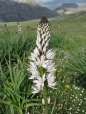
{"x": 52, "y": 4}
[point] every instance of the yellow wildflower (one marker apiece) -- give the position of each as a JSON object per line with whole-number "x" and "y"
{"x": 67, "y": 86}
{"x": 59, "y": 70}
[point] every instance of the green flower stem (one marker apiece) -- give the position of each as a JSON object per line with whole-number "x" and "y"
{"x": 45, "y": 98}
{"x": 44, "y": 92}
{"x": 41, "y": 71}
{"x": 20, "y": 112}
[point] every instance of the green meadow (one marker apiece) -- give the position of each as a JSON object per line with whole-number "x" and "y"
{"x": 68, "y": 39}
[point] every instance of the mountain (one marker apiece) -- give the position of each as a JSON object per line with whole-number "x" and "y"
{"x": 53, "y": 4}
{"x": 69, "y": 8}
{"x": 22, "y": 10}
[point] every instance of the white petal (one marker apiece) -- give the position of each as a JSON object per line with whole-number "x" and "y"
{"x": 37, "y": 62}
{"x": 28, "y": 113}
{"x": 44, "y": 66}
{"x": 51, "y": 81}
{"x": 33, "y": 71}
{"x": 36, "y": 52}
{"x": 38, "y": 82}
{"x": 39, "y": 47}
{"x": 38, "y": 38}
{"x": 51, "y": 68}
{"x": 33, "y": 64}
{"x": 44, "y": 49}
{"x": 50, "y": 54}
{"x": 32, "y": 77}
{"x": 43, "y": 101}
{"x": 48, "y": 100}
{"x": 32, "y": 57}
{"x": 43, "y": 78}
{"x": 35, "y": 90}
{"x": 42, "y": 58}
{"x": 43, "y": 42}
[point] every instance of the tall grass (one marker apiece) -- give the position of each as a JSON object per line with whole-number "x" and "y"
{"x": 69, "y": 42}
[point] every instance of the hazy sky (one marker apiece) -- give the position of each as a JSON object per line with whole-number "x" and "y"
{"x": 55, "y": 3}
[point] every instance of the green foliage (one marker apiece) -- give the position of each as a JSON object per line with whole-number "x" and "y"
{"x": 16, "y": 44}
{"x": 15, "y": 89}
{"x": 77, "y": 66}
{"x": 68, "y": 39}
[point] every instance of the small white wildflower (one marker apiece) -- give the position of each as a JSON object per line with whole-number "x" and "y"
{"x": 83, "y": 111}
{"x": 19, "y": 28}
{"x": 43, "y": 101}
{"x": 78, "y": 88}
{"x": 82, "y": 91}
{"x": 28, "y": 113}
{"x": 48, "y": 100}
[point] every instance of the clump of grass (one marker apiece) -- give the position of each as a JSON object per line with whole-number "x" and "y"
{"x": 15, "y": 89}
{"x": 17, "y": 45}
{"x": 77, "y": 67}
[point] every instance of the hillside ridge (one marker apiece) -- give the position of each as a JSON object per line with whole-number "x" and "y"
{"x": 23, "y": 10}
{"x": 70, "y": 8}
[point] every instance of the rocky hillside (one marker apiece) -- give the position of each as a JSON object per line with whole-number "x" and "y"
{"x": 69, "y": 8}
{"x": 22, "y": 10}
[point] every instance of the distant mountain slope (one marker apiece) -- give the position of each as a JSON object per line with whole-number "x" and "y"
{"x": 69, "y": 8}
{"x": 75, "y": 17}
{"x": 22, "y": 10}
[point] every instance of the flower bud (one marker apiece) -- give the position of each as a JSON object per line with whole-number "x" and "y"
{"x": 43, "y": 101}
{"x": 48, "y": 100}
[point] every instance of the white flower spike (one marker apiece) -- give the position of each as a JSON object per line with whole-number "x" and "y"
{"x": 41, "y": 60}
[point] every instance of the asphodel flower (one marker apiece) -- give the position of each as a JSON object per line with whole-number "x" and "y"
{"x": 19, "y": 28}
{"x": 42, "y": 65}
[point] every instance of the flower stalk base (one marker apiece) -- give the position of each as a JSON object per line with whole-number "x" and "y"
{"x": 42, "y": 67}
{"x": 45, "y": 98}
